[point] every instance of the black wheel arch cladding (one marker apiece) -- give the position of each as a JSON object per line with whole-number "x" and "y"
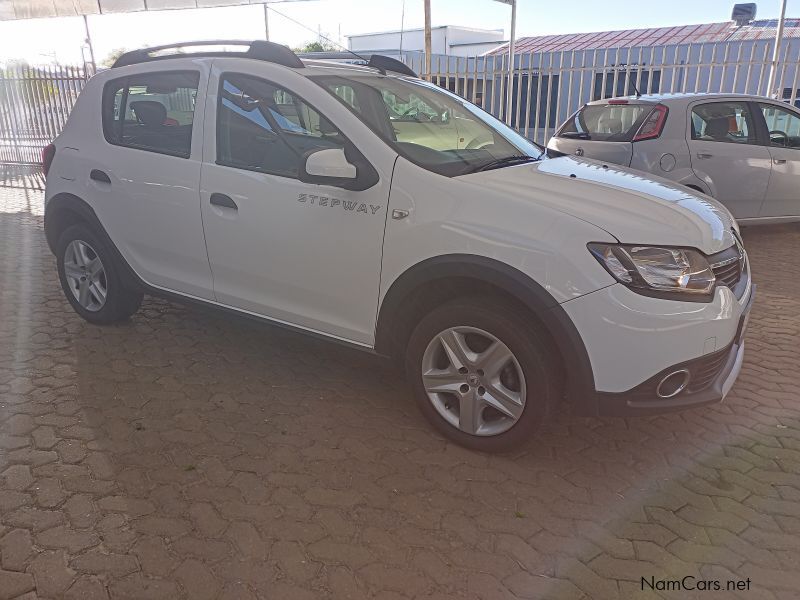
{"x": 65, "y": 209}
{"x": 580, "y": 388}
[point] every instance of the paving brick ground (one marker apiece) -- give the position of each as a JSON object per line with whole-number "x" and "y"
{"x": 189, "y": 455}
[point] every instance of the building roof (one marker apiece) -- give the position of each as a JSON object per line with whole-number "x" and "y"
{"x": 414, "y": 29}
{"x": 763, "y": 29}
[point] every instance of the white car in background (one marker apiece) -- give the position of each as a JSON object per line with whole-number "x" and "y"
{"x": 742, "y": 150}
{"x": 367, "y": 206}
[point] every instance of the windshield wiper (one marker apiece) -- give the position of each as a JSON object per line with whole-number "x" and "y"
{"x": 506, "y": 161}
{"x": 578, "y": 135}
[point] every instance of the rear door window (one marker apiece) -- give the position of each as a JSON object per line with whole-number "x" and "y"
{"x": 151, "y": 111}
{"x": 606, "y": 123}
{"x": 729, "y": 122}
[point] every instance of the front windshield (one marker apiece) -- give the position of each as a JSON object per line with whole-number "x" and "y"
{"x": 431, "y": 127}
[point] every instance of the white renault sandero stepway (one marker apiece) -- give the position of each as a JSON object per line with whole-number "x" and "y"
{"x": 365, "y": 205}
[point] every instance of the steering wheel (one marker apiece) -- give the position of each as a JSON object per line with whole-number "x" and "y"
{"x": 777, "y": 133}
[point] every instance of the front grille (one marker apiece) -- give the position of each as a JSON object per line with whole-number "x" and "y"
{"x": 728, "y": 274}
{"x": 730, "y": 267}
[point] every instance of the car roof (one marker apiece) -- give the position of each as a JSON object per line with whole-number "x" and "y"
{"x": 338, "y": 67}
{"x": 264, "y": 51}
{"x": 310, "y": 66}
{"x": 680, "y": 98}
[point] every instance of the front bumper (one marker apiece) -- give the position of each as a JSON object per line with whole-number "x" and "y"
{"x": 633, "y": 342}
{"x": 711, "y": 379}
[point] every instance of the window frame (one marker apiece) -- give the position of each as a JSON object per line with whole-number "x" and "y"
{"x": 625, "y": 138}
{"x": 125, "y": 86}
{"x": 349, "y": 148}
{"x": 756, "y": 119}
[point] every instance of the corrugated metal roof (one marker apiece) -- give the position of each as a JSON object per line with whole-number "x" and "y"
{"x": 654, "y": 36}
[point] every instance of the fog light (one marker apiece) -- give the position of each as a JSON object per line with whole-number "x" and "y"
{"x": 673, "y": 384}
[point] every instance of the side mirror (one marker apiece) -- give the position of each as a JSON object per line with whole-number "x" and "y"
{"x": 328, "y": 166}
{"x": 331, "y": 166}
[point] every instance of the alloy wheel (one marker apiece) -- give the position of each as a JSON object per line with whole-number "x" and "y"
{"x": 85, "y": 275}
{"x": 474, "y": 381}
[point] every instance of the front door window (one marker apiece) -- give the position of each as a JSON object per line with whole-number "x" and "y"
{"x": 262, "y": 127}
{"x": 783, "y": 126}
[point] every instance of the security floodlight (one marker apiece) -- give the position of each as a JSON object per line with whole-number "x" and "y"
{"x": 743, "y": 13}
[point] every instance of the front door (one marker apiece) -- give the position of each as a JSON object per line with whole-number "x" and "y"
{"x": 783, "y": 193}
{"x": 300, "y": 253}
{"x": 727, "y": 155}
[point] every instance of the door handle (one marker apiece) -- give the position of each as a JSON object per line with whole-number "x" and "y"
{"x": 704, "y": 155}
{"x": 101, "y": 176}
{"x": 223, "y": 200}
{"x": 779, "y": 161}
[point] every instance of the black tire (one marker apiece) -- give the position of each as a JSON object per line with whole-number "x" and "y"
{"x": 120, "y": 302}
{"x": 530, "y": 346}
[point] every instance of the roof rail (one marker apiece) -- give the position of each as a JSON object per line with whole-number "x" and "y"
{"x": 386, "y": 63}
{"x": 257, "y": 49}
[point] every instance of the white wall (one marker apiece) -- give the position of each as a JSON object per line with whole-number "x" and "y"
{"x": 441, "y": 40}
{"x": 475, "y": 49}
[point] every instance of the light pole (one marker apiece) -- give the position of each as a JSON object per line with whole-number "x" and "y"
{"x": 776, "y": 50}
{"x": 428, "y": 43}
{"x": 511, "y": 41}
{"x": 267, "y": 9}
{"x": 89, "y": 43}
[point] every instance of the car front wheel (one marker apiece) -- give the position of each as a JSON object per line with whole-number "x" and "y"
{"x": 483, "y": 373}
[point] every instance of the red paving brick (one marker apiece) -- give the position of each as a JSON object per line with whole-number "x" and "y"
{"x": 187, "y": 454}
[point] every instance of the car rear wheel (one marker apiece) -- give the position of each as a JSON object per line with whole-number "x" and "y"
{"x": 482, "y": 373}
{"x": 90, "y": 280}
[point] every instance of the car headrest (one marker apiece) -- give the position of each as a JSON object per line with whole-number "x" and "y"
{"x": 611, "y": 124}
{"x": 149, "y": 112}
{"x": 718, "y": 128}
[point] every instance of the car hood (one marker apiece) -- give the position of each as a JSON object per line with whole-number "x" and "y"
{"x": 633, "y": 208}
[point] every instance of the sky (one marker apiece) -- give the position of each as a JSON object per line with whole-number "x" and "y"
{"x": 43, "y": 41}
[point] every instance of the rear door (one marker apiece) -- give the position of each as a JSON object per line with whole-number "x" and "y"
{"x": 143, "y": 178}
{"x": 728, "y": 156}
{"x": 783, "y": 193}
{"x": 602, "y": 131}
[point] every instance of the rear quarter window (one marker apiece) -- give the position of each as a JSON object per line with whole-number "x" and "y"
{"x": 606, "y": 123}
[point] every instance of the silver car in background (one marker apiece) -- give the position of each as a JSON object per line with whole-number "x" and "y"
{"x": 742, "y": 150}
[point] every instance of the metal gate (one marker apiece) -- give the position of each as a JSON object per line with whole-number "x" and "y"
{"x": 549, "y": 86}
{"x": 34, "y": 105}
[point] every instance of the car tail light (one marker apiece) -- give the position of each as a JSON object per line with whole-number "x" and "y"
{"x": 618, "y": 101}
{"x": 48, "y": 154}
{"x": 653, "y": 124}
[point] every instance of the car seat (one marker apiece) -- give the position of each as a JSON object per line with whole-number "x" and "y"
{"x": 717, "y": 129}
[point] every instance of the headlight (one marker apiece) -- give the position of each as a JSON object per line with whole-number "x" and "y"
{"x": 675, "y": 273}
